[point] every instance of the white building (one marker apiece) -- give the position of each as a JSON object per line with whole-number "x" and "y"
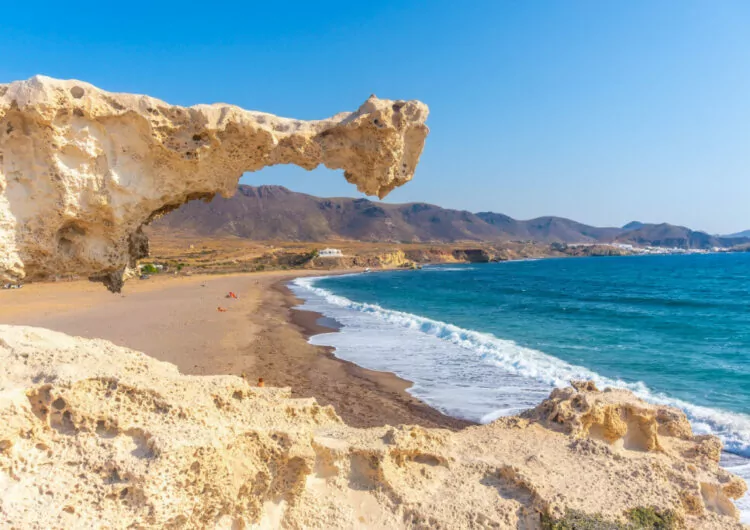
{"x": 330, "y": 253}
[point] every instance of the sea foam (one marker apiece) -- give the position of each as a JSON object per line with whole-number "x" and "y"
{"x": 480, "y": 377}
{"x": 486, "y": 349}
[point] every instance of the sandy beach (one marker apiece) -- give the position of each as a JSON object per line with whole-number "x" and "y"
{"x": 176, "y": 319}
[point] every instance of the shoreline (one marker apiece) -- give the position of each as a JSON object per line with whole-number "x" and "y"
{"x": 262, "y": 334}
{"x": 731, "y": 460}
{"x": 386, "y": 384}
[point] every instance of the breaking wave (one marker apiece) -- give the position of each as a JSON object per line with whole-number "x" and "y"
{"x": 486, "y": 350}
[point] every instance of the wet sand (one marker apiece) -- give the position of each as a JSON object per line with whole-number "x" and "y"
{"x": 175, "y": 319}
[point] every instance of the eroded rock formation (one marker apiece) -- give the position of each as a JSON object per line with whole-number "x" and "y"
{"x": 95, "y": 435}
{"x": 81, "y": 169}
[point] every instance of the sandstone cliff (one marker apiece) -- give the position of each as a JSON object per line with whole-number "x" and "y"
{"x": 95, "y": 435}
{"x": 81, "y": 169}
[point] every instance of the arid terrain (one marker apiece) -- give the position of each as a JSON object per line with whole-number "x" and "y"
{"x": 184, "y": 252}
{"x": 183, "y": 433}
{"x": 192, "y": 253}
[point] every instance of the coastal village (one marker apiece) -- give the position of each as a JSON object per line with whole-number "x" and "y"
{"x": 636, "y": 250}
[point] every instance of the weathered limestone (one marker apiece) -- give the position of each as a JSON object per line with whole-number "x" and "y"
{"x": 81, "y": 169}
{"x": 95, "y": 435}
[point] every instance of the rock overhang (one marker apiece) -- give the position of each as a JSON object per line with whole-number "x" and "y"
{"x": 82, "y": 169}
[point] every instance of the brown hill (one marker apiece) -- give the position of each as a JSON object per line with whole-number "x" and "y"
{"x": 744, "y": 233}
{"x": 550, "y": 229}
{"x": 667, "y": 235}
{"x": 276, "y": 213}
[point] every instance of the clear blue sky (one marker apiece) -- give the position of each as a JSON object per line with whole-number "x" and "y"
{"x": 604, "y": 112}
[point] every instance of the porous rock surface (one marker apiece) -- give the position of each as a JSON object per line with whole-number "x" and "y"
{"x": 93, "y": 435}
{"x": 81, "y": 169}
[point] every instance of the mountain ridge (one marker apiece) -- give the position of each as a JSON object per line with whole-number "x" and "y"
{"x": 744, "y": 233}
{"x": 272, "y": 212}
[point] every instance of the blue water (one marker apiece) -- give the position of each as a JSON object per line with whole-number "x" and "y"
{"x": 485, "y": 340}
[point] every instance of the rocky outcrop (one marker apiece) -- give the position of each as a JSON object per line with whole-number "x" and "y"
{"x": 92, "y": 434}
{"x": 81, "y": 169}
{"x": 472, "y": 255}
{"x": 388, "y": 259}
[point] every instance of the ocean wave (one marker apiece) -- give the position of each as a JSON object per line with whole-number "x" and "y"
{"x": 733, "y": 428}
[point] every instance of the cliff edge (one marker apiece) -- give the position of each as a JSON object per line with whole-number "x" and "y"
{"x": 92, "y": 434}
{"x": 81, "y": 169}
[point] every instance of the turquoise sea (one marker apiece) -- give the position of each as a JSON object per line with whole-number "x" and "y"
{"x": 485, "y": 340}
